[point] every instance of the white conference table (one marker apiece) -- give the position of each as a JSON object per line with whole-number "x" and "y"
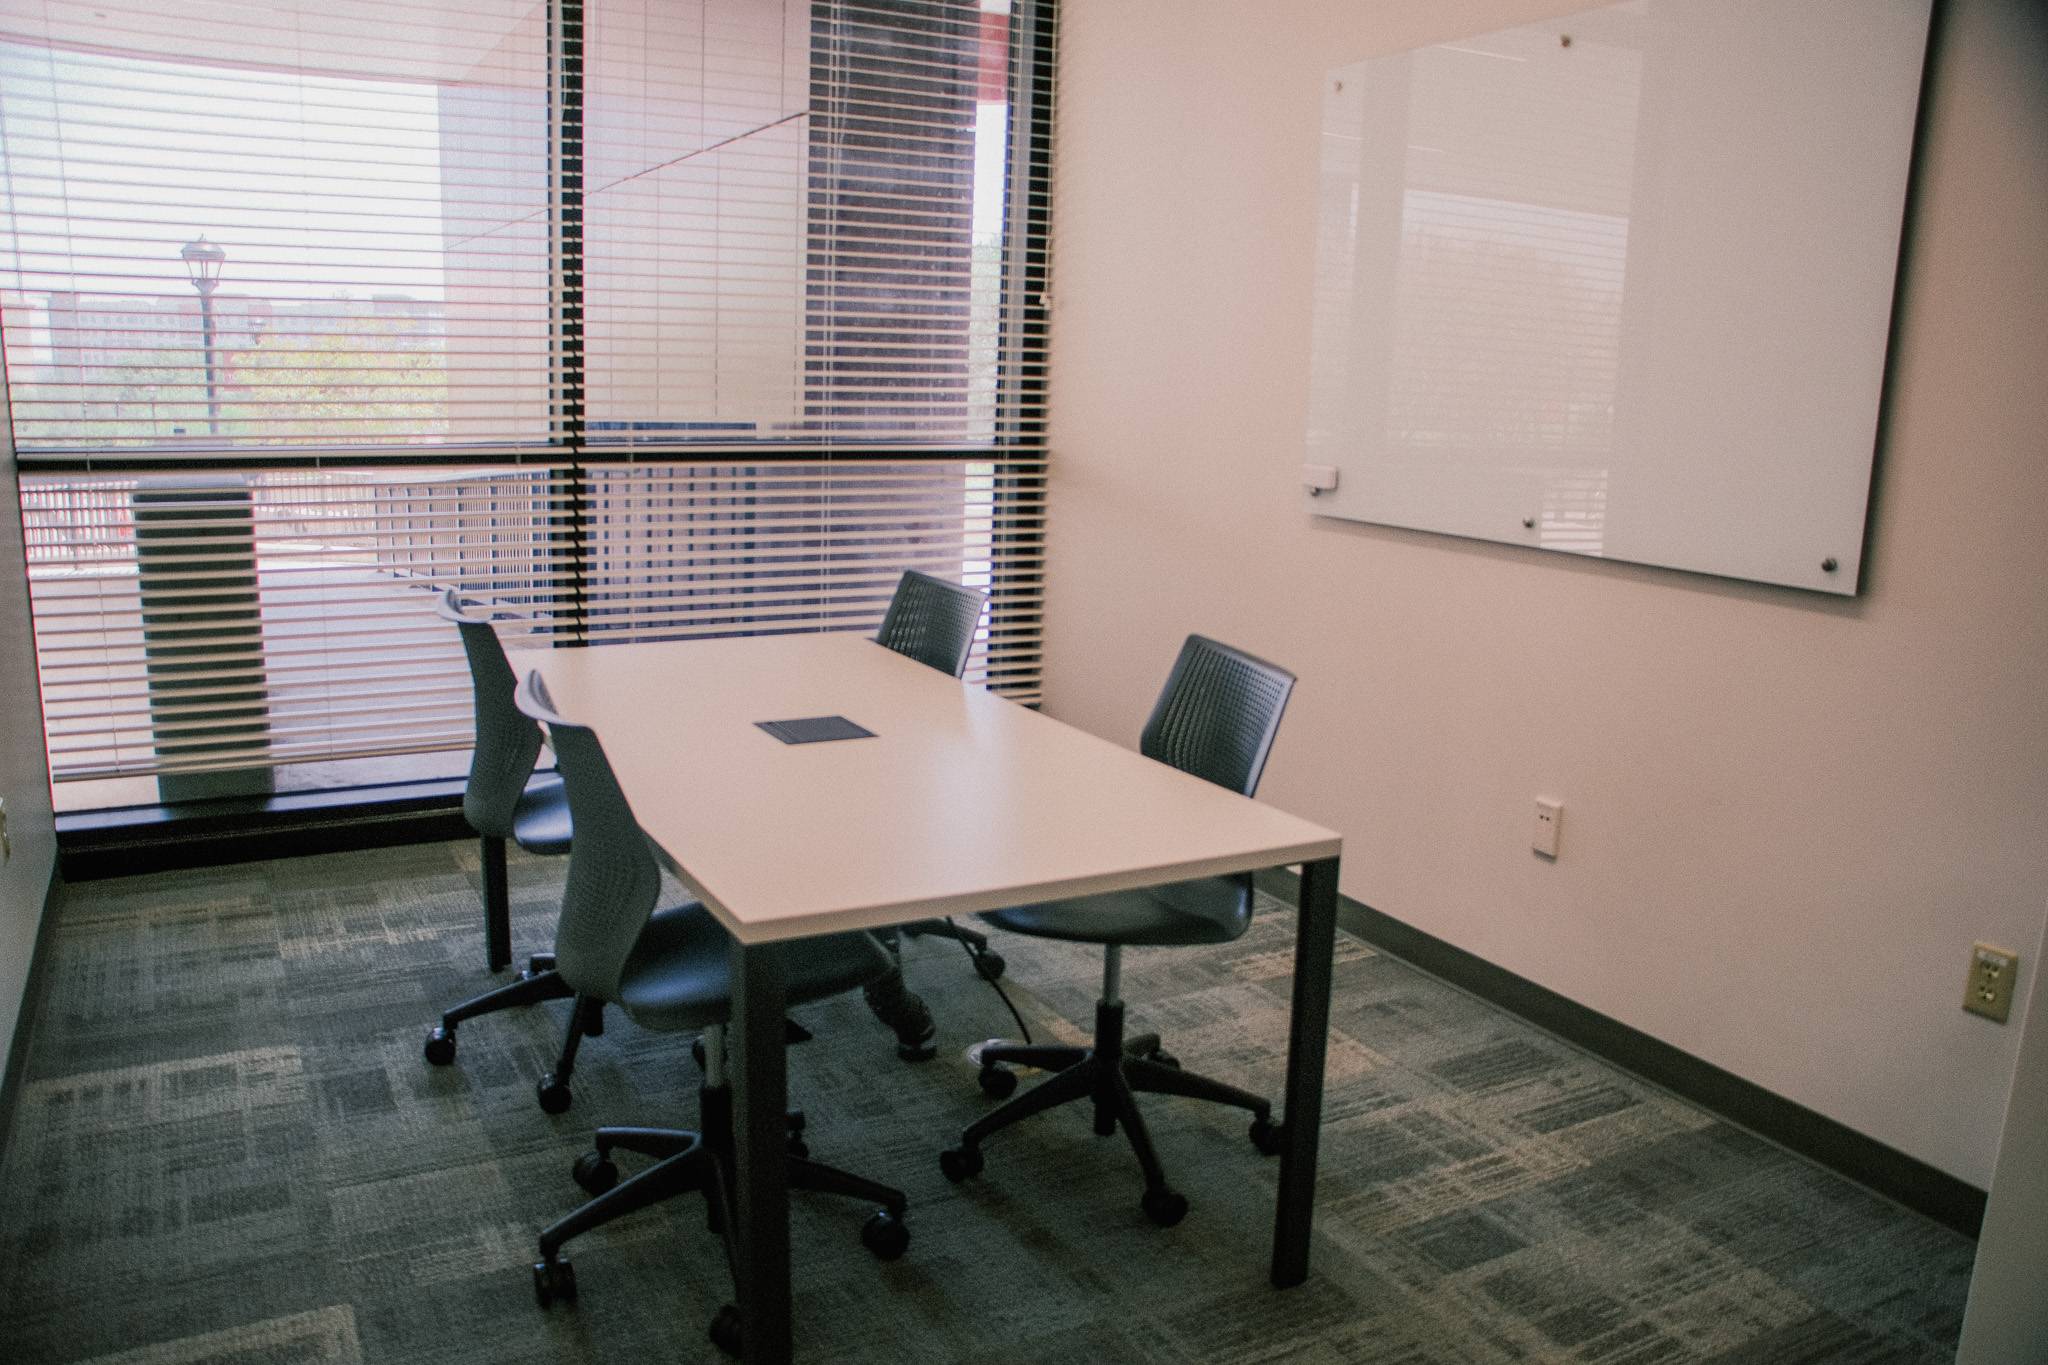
{"x": 961, "y": 801}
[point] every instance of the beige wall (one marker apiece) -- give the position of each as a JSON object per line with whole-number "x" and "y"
{"x": 1786, "y": 818}
{"x": 24, "y": 774}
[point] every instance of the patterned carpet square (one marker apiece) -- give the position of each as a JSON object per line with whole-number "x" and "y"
{"x": 228, "y": 1149}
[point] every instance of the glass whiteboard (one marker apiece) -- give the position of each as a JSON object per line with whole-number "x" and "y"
{"x": 1620, "y": 284}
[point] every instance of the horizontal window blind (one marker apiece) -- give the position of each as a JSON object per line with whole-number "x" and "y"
{"x": 631, "y": 319}
{"x": 676, "y": 552}
{"x": 206, "y": 622}
{"x": 228, "y": 229}
{"x": 189, "y": 623}
{"x": 794, "y": 221}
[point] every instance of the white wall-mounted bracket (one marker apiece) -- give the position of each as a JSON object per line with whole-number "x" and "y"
{"x": 1318, "y": 478}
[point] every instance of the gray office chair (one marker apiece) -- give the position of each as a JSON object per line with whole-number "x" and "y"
{"x": 505, "y": 800}
{"x": 932, "y": 621}
{"x": 1216, "y": 719}
{"x": 669, "y": 970}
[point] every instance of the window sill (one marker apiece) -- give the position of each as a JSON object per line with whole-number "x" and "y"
{"x": 131, "y": 840}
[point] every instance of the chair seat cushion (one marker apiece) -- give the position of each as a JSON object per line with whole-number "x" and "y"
{"x": 1206, "y": 910}
{"x": 540, "y": 822}
{"x": 679, "y": 977}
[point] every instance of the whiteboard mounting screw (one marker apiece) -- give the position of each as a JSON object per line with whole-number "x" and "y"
{"x": 1529, "y": 523}
{"x": 1339, "y": 87}
{"x": 1828, "y": 565}
{"x": 1564, "y": 40}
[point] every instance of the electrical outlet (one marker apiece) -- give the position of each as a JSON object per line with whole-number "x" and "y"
{"x": 1549, "y": 815}
{"x": 1989, "y": 992}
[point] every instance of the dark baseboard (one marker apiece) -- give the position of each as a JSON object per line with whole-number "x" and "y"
{"x": 32, "y": 989}
{"x": 137, "y": 839}
{"x": 1891, "y": 1173}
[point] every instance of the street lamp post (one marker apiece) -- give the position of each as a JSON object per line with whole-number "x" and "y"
{"x": 203, "y": 260}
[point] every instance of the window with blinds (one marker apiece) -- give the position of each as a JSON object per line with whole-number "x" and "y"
{"x": 225, "y": 235}
{"x": 630, "y": 318}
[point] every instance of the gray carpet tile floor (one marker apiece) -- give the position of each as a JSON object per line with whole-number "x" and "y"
{"x": 228, "y": 1148}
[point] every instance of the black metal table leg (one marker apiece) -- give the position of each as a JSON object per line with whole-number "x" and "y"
{"x": 1315, "y": 947}
{"x": 497, "y": 906}
{"x": 760, "y": 1096}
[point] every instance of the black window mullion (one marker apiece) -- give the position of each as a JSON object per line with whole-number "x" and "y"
{"x": 566, "y": 127}
{"x": 1018, "y": 560}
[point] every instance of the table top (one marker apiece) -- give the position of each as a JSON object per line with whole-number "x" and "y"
{"x": 961, "y": 801}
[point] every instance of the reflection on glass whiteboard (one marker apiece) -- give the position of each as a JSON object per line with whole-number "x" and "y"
{"x": 1620, "y": 284}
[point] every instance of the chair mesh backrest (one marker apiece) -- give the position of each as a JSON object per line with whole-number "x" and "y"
{"x": 614, "y": 881}
{"x": 1218, "y": 714}
{"x": 932, "y": 621}
{"x": 507, "y": 743}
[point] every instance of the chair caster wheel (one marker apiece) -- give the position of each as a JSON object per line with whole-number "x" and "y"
{"x": 595, "y": 1172}
{"x": 553, "y": 1095}
{"x": 725, "y": 1330}
{"x": 997, "y": 1082}
{"x": 990, "y": 965}
{"x": 1164, "y": 1207}
{"x": 795, "y": 1119}
{"x": 554, "y": 1280}
{"x": 885, "y": 1235}
{"x": 797, "y": 1147}
{"x": 1266, "y": 1135}
{"x": 921, "y": 1051}
{"x": 905, "y": 1014}
{"x": 958, "y": 1163}
{"x": 697, "y": 1052}
{"x": 440, "y": 1047}
{"x": 1166, "y": 1059}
